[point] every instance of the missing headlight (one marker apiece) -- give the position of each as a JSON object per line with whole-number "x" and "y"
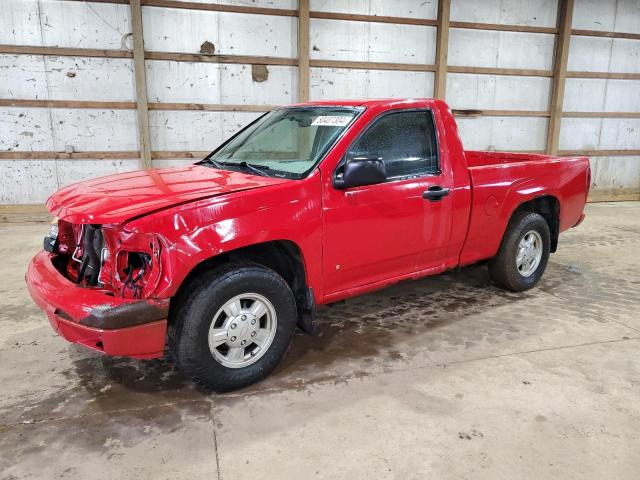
{"x": 133, "y": 270}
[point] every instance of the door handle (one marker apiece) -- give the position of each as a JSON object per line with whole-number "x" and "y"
{"x": 435, "y": 193}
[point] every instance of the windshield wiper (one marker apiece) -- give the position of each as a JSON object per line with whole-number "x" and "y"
{"x": 213, "y": 162}
{"x": 259, "y": 169}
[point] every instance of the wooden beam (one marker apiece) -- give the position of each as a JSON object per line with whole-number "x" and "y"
{"x": 613, "y": 195}
{"x": 211, "y": 107}
{"x": 525, "y": 72}
{"x": 409, "y": 67}
{"x": 610, "y": 75}
{"x": 373, "y": 18}
{"x": 166, "y": 154}
{"x": 64, "y": 52}
{"x": 598, "y": 33}
{"x": 66, "y": 104}
{"x": 303, "y": 51}
{"x": 49, "y": 155}
{"x": 117, "y": 2}
{"x": 565, "y": 16}
{"x": 442, "y": 49}
{"x": 599, "y": 153}
{"x": 10, "y": 213}
{"x": 503, "y": 28}
{"x": 243, "y": 59}
{"x": 141, "y": 84}
{"x": 281, "y": 12}
{"x": 601, "y": 114}
{"x": 499, "y": 113}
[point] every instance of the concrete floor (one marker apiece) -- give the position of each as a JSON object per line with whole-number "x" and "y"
{"x": 447, "y": 377}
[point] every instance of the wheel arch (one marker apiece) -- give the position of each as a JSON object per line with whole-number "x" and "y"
{"x": 548, "y": 206}
{"x": 282, "y": 256}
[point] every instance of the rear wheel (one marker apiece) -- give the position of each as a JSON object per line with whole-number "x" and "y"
{"x": 523, "y": 254}
{"x": 233, "y": 327}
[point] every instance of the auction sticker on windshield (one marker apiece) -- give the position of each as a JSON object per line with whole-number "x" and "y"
{"x": 331, "y": 120}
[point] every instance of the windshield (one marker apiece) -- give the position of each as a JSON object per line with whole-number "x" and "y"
{"x": 287, "y": 142}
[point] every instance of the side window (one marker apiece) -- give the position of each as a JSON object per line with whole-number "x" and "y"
{"x": 406, "y": 141}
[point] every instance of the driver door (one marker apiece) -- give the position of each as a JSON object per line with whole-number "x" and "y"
{"x": 376, "y": 232}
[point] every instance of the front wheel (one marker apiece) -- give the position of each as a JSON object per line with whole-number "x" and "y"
{"x": 234, "y": 326}
{"x": 523, "y": 254}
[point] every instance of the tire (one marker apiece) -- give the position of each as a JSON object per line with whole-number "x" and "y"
{"x": 505, "y": 269}
{"x": 199, "y": 323}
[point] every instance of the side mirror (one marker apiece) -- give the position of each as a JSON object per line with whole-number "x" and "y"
{"x": 359, "y": 171}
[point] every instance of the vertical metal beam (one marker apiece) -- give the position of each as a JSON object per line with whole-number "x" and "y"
{"x": 303, "y": 50}
{"x": 442, "y": 49}
{"x": 141, "y": 84}
{"x": 565, "y": 16}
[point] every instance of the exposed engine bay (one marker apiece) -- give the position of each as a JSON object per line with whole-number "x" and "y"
{"x": 105, "y": 257}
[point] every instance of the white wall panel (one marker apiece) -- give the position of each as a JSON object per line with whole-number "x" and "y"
{"x": 219, "y": 83}
{"x": 484, "y": 48}
{"x": 27, "y": 181}
{"x": 395, "y": 8}
{"x": 600, "y": 133}
{"x": 238, "y": 86}
{"x": 580, "y": 133}
{"x": 20, "y": 23}
{"x": 72, "y": 171}
{"x": 596, "y": 54}
{"x": 503, "y": 133}
{"x": 92, "y": 129}
{"x": 286, "y": 4}
{"x": 185, "y": 130}
{"x": 66, "y": 78}
{"x": 372, "y": 42}
{"x": 610, "y": 173}
{"x": 35, "y": 180}
{"x": 25, "y": 129}
{"x": 339, "y": 83}
{"x": 64, "y": 24}
{"x": 86, "y": 78}
{"x": 594, "y": 15}
{"x": 183, "y": 82}
{"x": 607, "y": 15}
{"x": 601, "y": 95}
{"x": 620, "y": 133}
{"x": 627, "y": 16}
{"x": 22, "y": 76}
{"x": 535, "y": 13}
{"x": 498, "y": 92}
{"x": 177, "y": 30}
{"x": 584, "y": 95}
{"x": 84, "y": 24}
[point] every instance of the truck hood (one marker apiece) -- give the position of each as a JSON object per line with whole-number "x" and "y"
{"x": 117, "y": 198}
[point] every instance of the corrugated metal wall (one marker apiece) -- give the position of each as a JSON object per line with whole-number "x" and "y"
{"x": 68, "y": 95}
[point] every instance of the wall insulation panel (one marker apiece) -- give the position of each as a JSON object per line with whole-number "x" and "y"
{"x": 397, "y": 8}
{"x": 179, "y": 30}
{"x": 198, "y": 82}
{"x": 497, "y": 92}
{"x": 346, "y": 83}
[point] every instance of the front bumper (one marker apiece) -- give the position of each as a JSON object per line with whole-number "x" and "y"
{"x": 95, "y": 318}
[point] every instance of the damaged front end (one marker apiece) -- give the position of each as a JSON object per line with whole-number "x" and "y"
{"x": 97, "y": 284}
{"x": 106, "y": 257}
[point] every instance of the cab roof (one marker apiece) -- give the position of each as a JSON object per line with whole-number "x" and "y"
{"x": 380, "y": 102}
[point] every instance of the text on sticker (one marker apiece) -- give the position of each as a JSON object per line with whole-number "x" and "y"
{"x": 331, "y": 121}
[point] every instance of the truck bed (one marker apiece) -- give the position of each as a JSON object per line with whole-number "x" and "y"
{"x": 477, "y": 158}
{"x": 500, "y": 181}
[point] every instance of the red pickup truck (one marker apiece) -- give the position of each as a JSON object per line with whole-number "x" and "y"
{"x": 307, "y": 205}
